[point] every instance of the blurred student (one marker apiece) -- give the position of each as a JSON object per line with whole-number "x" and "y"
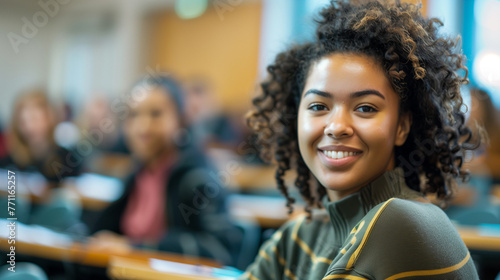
{"x": 207, "y": 122}
{"x": 30, "y": 140}
{"x": 171, "y": 202}
{"x": 99, "y": 125}
{"x": 486, "y": 118}
{"x": 472, "y": 203}
{"x": 97, "y": 117}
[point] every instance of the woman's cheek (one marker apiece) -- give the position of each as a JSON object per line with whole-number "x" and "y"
{"x": 309, "y": 130}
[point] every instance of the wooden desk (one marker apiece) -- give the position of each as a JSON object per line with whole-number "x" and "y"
{"x": 242, "y": 176}
{"x": 153, "y": 269}
{"x": 92, "y": 191}
{"x": 268, "y": 212}
{"x": 474, "y": 240}
{"x": 257, "y": 177}
{"x": 59, "y": 247}
{"x": 122, "y": 268}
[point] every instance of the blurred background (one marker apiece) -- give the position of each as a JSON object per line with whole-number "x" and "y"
{"x": 67, "y": 70}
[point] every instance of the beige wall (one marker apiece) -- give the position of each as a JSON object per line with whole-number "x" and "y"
{"x": 223, "y": 47}
{"x": 423, "y": 2}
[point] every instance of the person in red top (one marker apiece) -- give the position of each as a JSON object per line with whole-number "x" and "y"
{"x": 173, "y": 201}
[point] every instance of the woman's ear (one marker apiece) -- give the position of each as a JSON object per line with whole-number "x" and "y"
{"x": 404, "y": 124}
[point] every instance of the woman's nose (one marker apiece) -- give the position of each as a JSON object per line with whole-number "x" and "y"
{"x": 338, "y": 124}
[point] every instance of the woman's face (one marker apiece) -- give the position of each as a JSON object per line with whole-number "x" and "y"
{"x": 349, "y": 122}
{"x": 34, "y": 122}
{"x": 151, "y": 125}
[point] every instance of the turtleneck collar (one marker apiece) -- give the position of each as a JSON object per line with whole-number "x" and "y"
{"x": 348, "y": 211}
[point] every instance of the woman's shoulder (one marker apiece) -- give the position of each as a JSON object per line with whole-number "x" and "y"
{"x": 420, "y": 229}
{"x": 413, "y": 218}
{"x": 409, "y": 224}
{"x": 413, "y": 210}
{"x": 404, "y": 236}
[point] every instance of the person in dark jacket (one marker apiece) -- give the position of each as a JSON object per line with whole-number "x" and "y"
{"x": 173, "y": 201}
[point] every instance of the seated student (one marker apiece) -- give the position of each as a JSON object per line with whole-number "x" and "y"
{"x": 30, "y": 139}
{"x": 109, "y": 155}
{"x": 485, "y": 117}
{"x": 172, "y": 202}
{"x": 473, "y": 197}
{"x": 207, "y": 122}
{"x": 369, "y": 116}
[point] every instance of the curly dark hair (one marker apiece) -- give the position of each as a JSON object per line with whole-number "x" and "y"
{"x": 424, "y": 68}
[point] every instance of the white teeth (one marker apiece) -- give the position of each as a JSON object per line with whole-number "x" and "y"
{"x": 339, "y": 154}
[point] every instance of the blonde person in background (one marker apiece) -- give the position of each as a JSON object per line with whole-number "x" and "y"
{"x": 32, "y": 149}
{"x": 30, "y": 139}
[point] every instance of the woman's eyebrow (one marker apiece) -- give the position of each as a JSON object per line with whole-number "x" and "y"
{"x": 356, "y": 94}
{"x": 361, "y": 93}
{"x": 318, "y": 92}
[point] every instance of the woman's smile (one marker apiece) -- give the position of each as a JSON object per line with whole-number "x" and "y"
{"x": 339, "y": 156}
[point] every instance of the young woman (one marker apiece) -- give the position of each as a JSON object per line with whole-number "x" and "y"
{"x": 368, "y": 114}
{"x": 172, "y": 202}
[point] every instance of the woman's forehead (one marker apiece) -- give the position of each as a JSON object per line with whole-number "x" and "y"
{"x": 347, "y": 73}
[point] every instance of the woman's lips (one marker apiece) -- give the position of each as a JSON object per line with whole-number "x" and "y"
{"x": 338, "y": 158}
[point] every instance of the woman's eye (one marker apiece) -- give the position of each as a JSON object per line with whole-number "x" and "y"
{"x": 366, "y": 109}
{"x": 317, "y": 107}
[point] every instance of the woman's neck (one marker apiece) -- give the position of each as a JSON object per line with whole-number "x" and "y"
{"x": 166, "y": 155}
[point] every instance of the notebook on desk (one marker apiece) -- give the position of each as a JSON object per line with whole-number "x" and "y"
{"x": 200, "y": 270}
{"x": 492, "y": 230}
{"x": 152, "y": 269}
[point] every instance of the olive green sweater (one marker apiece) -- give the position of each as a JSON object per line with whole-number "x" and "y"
{"x": 380, "y": 232}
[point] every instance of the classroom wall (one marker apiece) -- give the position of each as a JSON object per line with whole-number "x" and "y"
{"x": 222, "y": 44}
{"x": 26, "y": 68}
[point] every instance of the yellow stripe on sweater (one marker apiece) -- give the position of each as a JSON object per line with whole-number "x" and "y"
{"x": 251, "y": 276}
{"x": 344, "y": 276}
{"x": 431, "y": 271}
{"x": 305, "y": 247}
{"x": 356, "y": 253}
